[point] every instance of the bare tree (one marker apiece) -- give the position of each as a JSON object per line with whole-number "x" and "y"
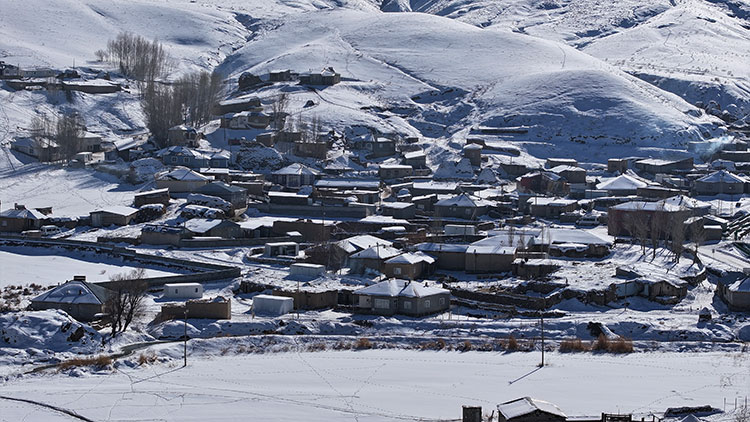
{"x": 677, "y": 234}
{"x": 697, "y": 237}
{"x": 137, "y": 57}
{"x": 126, "y": 304}
{"x": 640, "y": 227}
{"x": 69, "y": 134}
{"x": 162, "y": 110}
{"x": 197, "y": 93}
{"x": 279, "y": 109}
{"x": 658, "y": 228}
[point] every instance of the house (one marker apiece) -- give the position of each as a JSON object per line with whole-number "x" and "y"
{"x": 570, "y": 173}
{"x": 218, "y": 307}
{"x": 19, "y": 219}
{"x": 473, "y": 152}
{"x": 655, "y": 165}
{"x": 399, "y": 209}
{"x": 42, "y": 148}
{"x": 372, "y": 258}
{"x": 449, "y": 256}
{"x": 235, "y": 195}
{"x": 216, "y": 227}
{"x": 289, "y": 198}
{"x": 79, "y": 299}
{"x": 236, "y": 105}
{"x": 527, "y": 409}
{"x": 294, "y": 176}
{"x": 623, "y": 185}
{"x": 153, "y": 234}
{"x": 394, "y": 171}
{"x": 181, "y": 180}
{"x": 379, "y": 147}
{"x": 556, "y": 162}
{"x": 720, "y": 182}
{"x": 543, "y": 182}
{"x": 314, "y": 149}
{"x": 624, "y": 218}
{"x": 734, "y": 289}
{"x": 461, "y": 206}
{"x": 416, "y": 159}
{"x": 280, "y": 75}
{"x": 410, "y": 265}
{"x": 327, "y": 77}
{"x": 183, "y": 135}
{"x": 9, "y": 71}
{"x": 359, "y": 243}
{"x": 127, "y": 149}
{"x": 245, "y": 120}
{"x": 403, "y": 297}
{"x": 551, "y": 207}
{"x": 182, "y": 291}
{"x": 302, "y": 269}
{"x": 281, "y": 249}
{"x": 156, "y": 196}
{"x": 184, "y": 156}
{"x": 272, "y": 305}
{"x": 573, "y": 243}
{"x": 248, "y": 80}
{"x": 489, "y": 255}
{"x": 113, "y": 215}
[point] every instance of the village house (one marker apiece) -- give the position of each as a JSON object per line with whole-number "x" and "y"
{"x": 184, "y": 156}
{"x": 294, "y": 176}
{"x": 488, "y": 256}
{"x": 183, "y": 135}
{"x": 410, "y": 265}
{"x": 394, "y": 171}
{"x": 9, "y": 71}
{"x": 281, "y": 249}
{"x": 79, "y": 299}
{"x": 473, "y": 152}
{"x": 402, "y": 297}
{"x": 543, "y": 182}
{"x": 623, "y": 185}
{"x": 154, "y": 234}
{"x": 404, "y": 210}
{"x": 379, "y": 146}
{"x": 311, "y": 148}
{"x": 734, "y": 289}
{"x": 225, "y": 229}
{"x": 181, "y": 180}
{"x": 527, "y": 409}
{"x": 235, "y": 195}
{"x": 127, "y": 149}
{"x": 156, "y": 196}
{"x": 416, "y": 159}
{"x": 449, "y": 256}
{"x": 623, "y": 218}
{"x": 42, "y": 148}
{"x": 570, "y": 173}
{"x": 327, "y": 77}
{"x": 556, "y": 162}
{"x": 280, "y": 75}
{"x": 462, "y": 206}
{"x": 236, "y": 105}
{"x": 572, "y": 243}
{"x": 289, "y": 198}
{"x": 113, "y": 215}
{"x": 19, "y": 219}
{"x": 655, "y": 165}
{"x": 551, "y": 207}
{"x": 372, "y": 258}
{"x": 245, "y": 120}
{"x": 720, "y": 182}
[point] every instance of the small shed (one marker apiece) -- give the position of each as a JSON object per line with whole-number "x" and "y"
{"x": 306, "y": 270}
{"x": 182, "y": 291}
{"x": 272, "y": 305}
{"x": 281, "y": 249}
{"x": 527, "y": 409}
{"x": 117, "y": 215}
{"x": 156, "y": 196}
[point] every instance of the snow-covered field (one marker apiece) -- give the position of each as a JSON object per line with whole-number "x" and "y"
{"x": 382, "y": 385}
{"x": 45, "y": 267}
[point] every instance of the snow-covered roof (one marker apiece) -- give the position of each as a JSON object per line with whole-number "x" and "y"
{"x": 75, "y": 292}
{"x": 526, "y": 405}
{"x": 296, "y": 168}
{"x": 490, "y": 249}
{"x": 202, "y": 225}
{"x": 377, "y": 252}
{"x": 182, "y": 151}
{"x": 411, "y": 258}
{"x": 395, "y": 166}
{"x": 361, "y": 242}
{"x": 117, "y": 210}
{"x": 414, "y": 154}
{"x": 741, "y": 285}
{"x": 348, "y": 183}
{"x": 561, "y": 168}
{"x": 23, "y": 213}
{"x": 621, "y": 182}
{"x": 554, "y": 202}
{"x": 462, "y": 200}
{"x": 568, "y": 236}
{"x": 646, "y": 206}
{"x": 442, "y": 247}
{"x": 686, "y": 202}
{"x": 721, "y": 176}
{"x": 181, "y": 173}
{"x": 397, "y": 205}
{"x": 396, "y": 287}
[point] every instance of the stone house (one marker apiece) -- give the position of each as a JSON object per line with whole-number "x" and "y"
{"x": 410, "y": 265}
{"x": 79, "y": 299}
{"x": 19, "y": 219}
{"x": 402, "y": 297}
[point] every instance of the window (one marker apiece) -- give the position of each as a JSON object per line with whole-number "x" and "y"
{"x": 184, "y": 160}
{"x": 441, "y": 301}
{"x": 407, "y": 304}
{"x": 174, "y": 159}
{"x": 381, "y": 304}
{"x": 196, "y": 290}
{"x": 427, "y": 303}
{"x": 397, "y": 270}
{"x": 467, "y": 211}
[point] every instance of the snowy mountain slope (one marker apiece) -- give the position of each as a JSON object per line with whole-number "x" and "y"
{"x": 59, "y": 33}
{"x": 437, "y": 72}
{"x": 694, "y": 50}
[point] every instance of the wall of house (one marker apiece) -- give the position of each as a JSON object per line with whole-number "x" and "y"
{"x": 79, "y": 311}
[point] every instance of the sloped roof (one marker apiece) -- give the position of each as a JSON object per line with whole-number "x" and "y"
{"x": 361, "y": 242}
{"x": 411, "y": 258}
{"x": 181, "y": 173}
{"x": 377, "y": 252}
{"x": 526, "y": 405}
{"x": 75, "y": 292}
{"x": 296, "y": 168}
{"x": 24, "y": 213}
{"x": 685, "y": 202}
{"x": 202, "y": 225}
{"x": 462, "y": 200}
{"x": 721, "y": 176}
{"x": 396, "y": 287}
{"x": 563, "y": 236}
{"x": 117, "y": 210}
{"x": 221, "y": 187}
{"x": 622, "y": 182}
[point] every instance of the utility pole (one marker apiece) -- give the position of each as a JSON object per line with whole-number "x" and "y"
{"x": 541, "y": 317}
{"x": 184, "y": 349}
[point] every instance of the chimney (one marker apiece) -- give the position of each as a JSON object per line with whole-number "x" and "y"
{"x": 472, "y": 414}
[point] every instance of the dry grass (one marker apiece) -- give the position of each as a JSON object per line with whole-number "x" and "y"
{"x": 574, "y": 345}
{"x": 95, "y": 361}
{"x": 511, "y": 344}
{"x": 465, "y": 346}
{"x": 620, "y": 345}
{"x": 601, "y": 344}
{"x": 363, "y": 344}
{"x": 316, "y": 347}
{"x": 146, "y": 358}
{"x": 438, "y": 344}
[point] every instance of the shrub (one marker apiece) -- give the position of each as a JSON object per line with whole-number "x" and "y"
{"x": 573, "y": 345}
{"x": 465, "y": 346}
{"x": 94, "y": 361}
{"x": 621, "y": 345}
{"x": 363, "y": 343}
{"x": 601, "y": 344}
{"x": 316, "y": 347}
{"x": 512, "y": 344}
{"x": 146, "y": 358}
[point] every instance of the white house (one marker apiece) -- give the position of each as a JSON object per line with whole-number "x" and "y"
{"x": 183, "y": 291}
{"x": 272, "y": 305}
